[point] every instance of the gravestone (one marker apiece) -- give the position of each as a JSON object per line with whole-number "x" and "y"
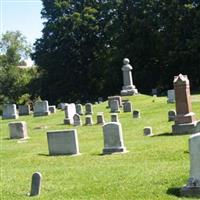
{"x": 63, "y": 142}
{"x": 88, "y": 120}
{"x": 100, "y": 99}
{"x": 100, "y": 118}
{"x": 70, "y": 111}
{"x": 170, "y": 96}
{"x": 128, "y": 89}
{"x": 41, "y": 108}
{"x": 52, "y": 109}
{"x": 77, "y": 120}
{"x": 18, "y": 130}
{"x": 113, "y": 138}
{"x": 192, "y": 189}
{"x": 62, "y": 106}
{"x": 147, "y": 131}
{"x": 10, "y": 112}
{"x": 154, "y": 91}
{"x": 171, "y": 115}
{"x": 127, "y": 106}
{"x": 79, "y": 109}
{"x": 88, "y": 109}
{"x": 114, "y": 106}
{"x": 36, "y": 184}
{"x": 111, "y": 98}
{"x": 24, "y": 110}
{"x": 114, "y": 117}
{"x": 185, "y": 119}
{"x": 136, "y": 114}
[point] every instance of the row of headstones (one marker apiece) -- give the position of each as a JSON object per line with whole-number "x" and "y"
{"x": 170, "y": 95}
{"x": 40, "y": 108}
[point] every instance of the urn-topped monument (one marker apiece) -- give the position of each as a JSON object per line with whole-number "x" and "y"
{"x": 128, "y": 89}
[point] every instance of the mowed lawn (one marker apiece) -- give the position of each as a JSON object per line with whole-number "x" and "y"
{"x": 154, "y": 168}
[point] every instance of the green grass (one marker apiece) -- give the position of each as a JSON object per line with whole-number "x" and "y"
{"x": 154, "y": 168}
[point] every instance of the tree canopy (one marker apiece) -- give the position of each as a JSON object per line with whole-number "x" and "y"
{"x": 85, "y": 41}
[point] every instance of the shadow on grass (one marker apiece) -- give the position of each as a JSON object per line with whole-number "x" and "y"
{"x": 163, "y": 134}
{"x": 6, "y": 139}
{"x": 174, "y": 192}
{"x": 43, "y": 154}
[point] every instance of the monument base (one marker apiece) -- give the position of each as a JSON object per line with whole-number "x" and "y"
{"x": 10, "y": 117}
{"x": 183, "y": 128}
{"x": 39, "y": 114}
{"x": 171, "y": 101}
{"x": 67, "y": 121}
{"x": 190, "y": 191}
{"x": 114, "y": 150}
{"x": 129, "y": 92}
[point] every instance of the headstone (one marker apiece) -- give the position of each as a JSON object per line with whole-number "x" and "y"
{"x": 52, "y": 109}
{"x": 24, "y": 110}
{"x": 77, "y": 120}
{"x": 192, "y": 189}
{"x": 41, "y": 108}
{"x": 18, "y": 130}
{"x": 10, "y": 111}
{"x": 63, "y": 142}
{"x": 171, "y": 96}
{"x": 171, "y": 115}
{"x": 111, "y": 98}
{"x": 62, "y": 106}
{"x": 127, "y": 107}
{"x": 114, "y": 106}
{"x": 70, "y": 111}
{"x": 114, "y": 117}
{"x": 36, "y": 184}
{"x": 100, "y": 118}
{"x": 148, "y": 131}
{"x": 128, "y": 89}
{"x": 197, "y": 128}
{"x": 79, "y": 109}
{"x": 88, "y": 120}
{"x": 88, "y": 109}
{"x": 185, "y": 119}
{"x": 113, "y": 138}
{"x": 136, "y": 114}
{"x": 154, "y": 91}
{"x": 100, "y": 99}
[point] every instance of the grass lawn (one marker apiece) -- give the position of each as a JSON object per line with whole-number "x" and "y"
{"x": 154, "y": 168}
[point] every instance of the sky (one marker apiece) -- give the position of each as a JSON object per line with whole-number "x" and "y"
{"x": 22, "y": 15}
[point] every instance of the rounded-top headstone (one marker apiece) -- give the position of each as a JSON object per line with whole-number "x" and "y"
{"x": 36, "y": 184}
{"x": 148, "y": 131}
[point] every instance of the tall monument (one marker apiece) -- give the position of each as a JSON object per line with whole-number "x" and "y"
{"x": 185, "y": 119}
{"x": 128, "y": 89}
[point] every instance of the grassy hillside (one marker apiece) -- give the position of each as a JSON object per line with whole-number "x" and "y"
{"x": 154, "y": 168}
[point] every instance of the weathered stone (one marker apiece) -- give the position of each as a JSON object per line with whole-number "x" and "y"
{"x": 88, "y": 120}
{"x": 113, "y": 139}
{"x": 111, "y": 98}
{"x": 171, "y": 115}
{"x": 36, "y": 184}
{"x": 77, "y": 120}
{"x": 79, "y": 109}
{"x": 154, "y": 91}
{"x": 18, "y": 130}
{"x": 128, "y": 89}
{"x": 197, "y": 128}
{"x": 41, "y": 108}
{"x": 24, "y": 110}
{"x": 136, "y": 114}
{"x": 10, "y": 112}
{"x": 114, "y": 106}
{"x": 88, "y": 109}
{"x": 148, "y": 131}
{"x": 100, "y": 118}
{"x": 70, "y": 111}
{"x": 52, "y": 109}
{"x": 63, "y": 142}
{"x": 171, "y": 96}
{"x": 114, "y": 117}
{"x": 192, "y": 189}
{"x": 185, "y": 118}
{"x": 127, "y": 107}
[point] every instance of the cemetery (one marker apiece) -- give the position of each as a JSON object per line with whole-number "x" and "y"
{"x": 115, "y": 159}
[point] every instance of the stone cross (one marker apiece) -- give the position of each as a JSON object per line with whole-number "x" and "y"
{"x": 192, "y": 189}
{"x": 128, "y": 88}
{"x": 36, "y": 184}
{"x": 185, "y": 119}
